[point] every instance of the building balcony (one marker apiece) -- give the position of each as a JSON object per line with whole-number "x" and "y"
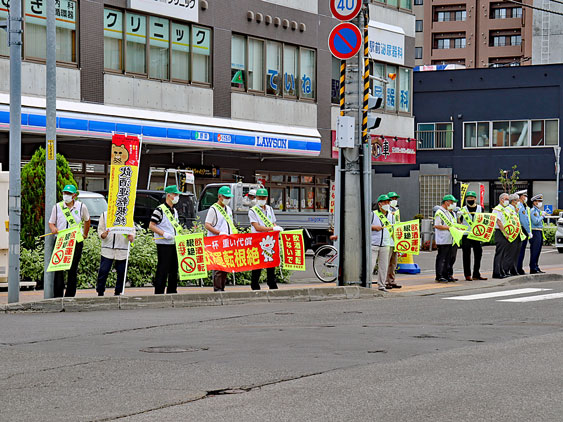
{"x": 506, "y": 51}
{"x": 502, "y": 24}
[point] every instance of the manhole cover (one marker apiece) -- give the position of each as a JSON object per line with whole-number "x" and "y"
{"x": 173, "y": 349}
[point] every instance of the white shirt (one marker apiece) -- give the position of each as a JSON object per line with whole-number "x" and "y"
{"x": 442, "y": 237}
{"x": 216, "y": 219}
{"x": 255, "y": 218}
{"x": 500, "y": 217}
{"x": 381, "y": 237}
{"x": 115, "y": 245}
{"x": 79, "y": 212}
{"x": 163, "y": 223}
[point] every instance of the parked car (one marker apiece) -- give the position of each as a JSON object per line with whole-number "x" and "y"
{"x": 559, "y": 234}
{"x": 96, "y": 204}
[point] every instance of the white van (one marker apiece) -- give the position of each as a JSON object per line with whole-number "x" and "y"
{"x": 96, "y": 204}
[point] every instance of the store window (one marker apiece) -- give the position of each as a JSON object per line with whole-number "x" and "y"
{"x": 136, "y": 41}
{"x": 113, "y": 39}
{"x": 391, "y": 90}
{"x": 418, "y": 26}
{"x": 418, "y": 52}
{"x": 291, "y": 75}
{"x": 158, "y": 48}
{"x": 307, "y": 73}
{"x": 180, "y": 69}
{"x": 396, "y": 93}
{"x": 238, "y": 62}
{"x": 544, "y": 132}
{"x": 35, "y": 29}
{"x": 255, "y": 64}
{"x": 4, "y": 49}
{"x": 404, "y": 90}
{"x": 201, "y": 46}
{"x": 274, "y": 68}
{"x": 435, "y": 136}
{"x": 514, "y": 133}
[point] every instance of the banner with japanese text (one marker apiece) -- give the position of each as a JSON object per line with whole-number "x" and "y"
{"x": 293, "y": 248}
{"x": 124, "y": 170}
{"x": 63, "y": 251}
{"x": 482, "y": 227}
{"x": 407, "y": 237}
{"x": 242, "y": 252}
{"x": 192, "y": 263}
{"x": 512, "y": 227}
{"x": 464, "y": 187}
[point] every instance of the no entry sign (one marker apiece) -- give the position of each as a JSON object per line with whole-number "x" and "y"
{"x": 345, "y": 10}
{"x": 345, "y": 40}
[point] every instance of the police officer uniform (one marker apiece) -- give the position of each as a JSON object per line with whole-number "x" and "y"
{"x": 526, "y": 224}
{"x": 536, "y": 242}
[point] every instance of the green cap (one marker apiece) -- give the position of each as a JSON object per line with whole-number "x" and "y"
{"x": 70, "y": 188}
{"x": 261, "y": 192}
{"x": 172, "y": 189}
{"x": 383, "y": 197}
{"x": 449, "y": 198}
{"x": 471, "y": 193}
{"x": 225, "y": 191}
{"x": 393, "y": 195}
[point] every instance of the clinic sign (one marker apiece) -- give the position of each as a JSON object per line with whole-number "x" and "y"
{"x": 386, "y": 43}
{"x": 179, "y": 9}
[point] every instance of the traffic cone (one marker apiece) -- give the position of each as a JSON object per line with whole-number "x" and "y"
{"x": 406, "y": 265}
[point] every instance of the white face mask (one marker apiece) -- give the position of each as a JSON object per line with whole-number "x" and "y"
{"x": 451, "y": 207}
{"x": 385, "y": 207}
{"x": 505, "y": 203}
{"x": 261, "y": 202}
{"x": 394, "y": 203}
{"x": 253, "y": 202}
{"x": 540, "y": 204}
{"x": 175, "y": 199}
{"x": 67, "y": 198}
{"x": 226, "y": 201}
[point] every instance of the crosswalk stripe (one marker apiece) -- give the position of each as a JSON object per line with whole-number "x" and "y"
{"x": 533, "y": 298}
{"x": 497, "y": 294}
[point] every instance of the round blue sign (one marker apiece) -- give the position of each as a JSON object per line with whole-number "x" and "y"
{"x": 345, "y": 40}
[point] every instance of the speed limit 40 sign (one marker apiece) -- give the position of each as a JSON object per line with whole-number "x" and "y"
{"x": 345, "y": 10}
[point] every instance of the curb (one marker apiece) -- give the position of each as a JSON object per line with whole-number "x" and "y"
{"x": 190, "y": 300}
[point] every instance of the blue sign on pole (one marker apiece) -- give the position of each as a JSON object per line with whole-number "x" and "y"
{"x": 345, "y": 40}
{"x": 548, "y": 209}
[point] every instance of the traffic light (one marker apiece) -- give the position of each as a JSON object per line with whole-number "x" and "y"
{"x": 373, "y": 120}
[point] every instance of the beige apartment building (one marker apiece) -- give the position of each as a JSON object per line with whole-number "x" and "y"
{"x": 472, "y": 33}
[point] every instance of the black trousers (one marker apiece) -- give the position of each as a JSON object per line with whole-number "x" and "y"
{"x": 522, "y": 255}
{"x": 443, "y": 260}
{"x": 270, "y": 279}
{"x": 468, "y": 245}
{"x": 514, "y": 255}
{"x": 451, "y": 263}
{"x": 59, "y": 281}
{"x": 502, "y": 249}
{"x": 166, "y": 269}
{"x": 103, "y": 272}
{"x": 219, "y": 280}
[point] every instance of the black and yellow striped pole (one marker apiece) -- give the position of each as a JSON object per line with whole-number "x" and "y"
{"x": 342, "y": 86}
{"x": 366, "y": 84}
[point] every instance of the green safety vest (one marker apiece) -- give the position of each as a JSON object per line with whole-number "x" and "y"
{"x": 262, "y": 216}
{"x": 386, "y": 224}
{"x": 397, "y": 215}
{"x": 227, "y": 218}
{"x": 173, "y": 221}
{"x": 71, "y": 221}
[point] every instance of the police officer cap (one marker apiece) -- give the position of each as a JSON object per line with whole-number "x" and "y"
{"x": 471, "y": 193}
{"x": 522, "y": 192}
{"x": 449, "y": 198}
{"x": 393, "y": 195}
{"x": 261, "y": 192}
{"x": 537, "y": 197}
{"x": 225, "y": 191}
{"x": 383, "y": 197}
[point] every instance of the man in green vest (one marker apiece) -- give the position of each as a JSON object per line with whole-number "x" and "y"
{"x": 502, "y": 245}
{"x": 218, "y": 222}
{"x": 443, "y": 221}
{"x": 66, "y": 214}
{"x": 165, "y": 226}
{"x": 262, "y": 219}
{"x": 394, "y": 204}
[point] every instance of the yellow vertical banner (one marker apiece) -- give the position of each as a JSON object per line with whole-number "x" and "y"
{"x": 192, "y": 262}
{"x": 293, "y": 248}
{"x": 464, "y": 187}
{"x": 63, "y": 252}
{"x": 125, "y": 156}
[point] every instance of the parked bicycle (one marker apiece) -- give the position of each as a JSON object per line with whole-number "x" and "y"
{"x": 325, "y": 263}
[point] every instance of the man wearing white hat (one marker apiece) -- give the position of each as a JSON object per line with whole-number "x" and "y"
{"x": 536, "y": 217}
{"x": 526, "y": 224}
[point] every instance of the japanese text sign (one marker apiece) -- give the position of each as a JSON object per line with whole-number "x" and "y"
{"x": 125, "y": 154}
{"x": 192, "y": 263}
{"x": 242, "y": 252}
{"x": 512, "y": 227}
{"x": 179, "y": 9}
{"x": 482, "y": 227}
{"x": 386, "y": 43}
{"x": 63, "y": 252}
{"x": 407, "y": 237}
{"x": 65, "y": 13}
{"x": 293, "y": 250}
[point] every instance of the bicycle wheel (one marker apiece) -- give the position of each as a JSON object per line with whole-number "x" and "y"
{"x": 325, "y": 263}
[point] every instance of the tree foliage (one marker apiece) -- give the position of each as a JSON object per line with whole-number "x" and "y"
{"x": 508, "y": 179}
{"x": 33, "y": 194}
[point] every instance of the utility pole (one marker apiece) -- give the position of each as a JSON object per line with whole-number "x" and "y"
{"x": 51, "y": 145}
{"x": 557, "y": 151}
{"x": 14, "y": 196}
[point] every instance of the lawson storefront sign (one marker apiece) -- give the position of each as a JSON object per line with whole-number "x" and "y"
{"x": 165, "y": 133}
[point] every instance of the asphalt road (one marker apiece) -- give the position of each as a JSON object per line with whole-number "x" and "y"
{"x": 412, "y": 358}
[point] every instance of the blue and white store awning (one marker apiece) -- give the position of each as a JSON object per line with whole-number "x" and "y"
{"x": 163, "y": 128}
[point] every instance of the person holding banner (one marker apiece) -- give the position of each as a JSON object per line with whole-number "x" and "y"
{"x": 466, "y": 218}
{"x": 500, "y": 267}
{"x": 165, "y": 226}
{"x": 382, "y": 241}
{"x": 219, "y": 222}
{"x": 536, "y": 241}
{"x": 394, "y": 203}
{"x": 66, "y": 214}
{"x": 444, "y": 221}
{"x": 115, "y": 248}
{"x": 263, "y": 219}
{"x": 526, "y": 224}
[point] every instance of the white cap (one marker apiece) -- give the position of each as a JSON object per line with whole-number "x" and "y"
{"x": 522, "y": 192}
{"x": 252, "y": 192}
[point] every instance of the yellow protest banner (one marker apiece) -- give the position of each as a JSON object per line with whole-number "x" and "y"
{"x": 293, "y": 248}
{"x": 192, "y": 263}
{"x": 125, "y": 155}
{"x": 464, "y": 187}
{"x": 63, "y": 252}
{"x": 482, "y": 227}
{"x": 407, "y": 237}
{"x": 457, "y": 231}
{"x": 512, "y": 227}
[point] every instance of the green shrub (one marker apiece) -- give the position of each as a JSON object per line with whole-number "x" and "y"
{"x": 549, "y": 234}
{"x": 31, "y": 262}
{"x": 33, "y": 194}
{"x": 556, "y": 212}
